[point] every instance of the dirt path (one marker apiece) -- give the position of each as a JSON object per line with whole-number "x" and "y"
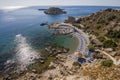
{"x": 116, "y": 62}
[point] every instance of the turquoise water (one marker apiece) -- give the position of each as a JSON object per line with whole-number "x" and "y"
{"x": 26, "y": 21}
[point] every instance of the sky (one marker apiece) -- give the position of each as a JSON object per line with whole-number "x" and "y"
{"x": 4, "y": 3}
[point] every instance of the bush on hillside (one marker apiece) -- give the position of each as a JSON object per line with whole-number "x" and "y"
{"x": 109, "y": 44}
{"x": 101, "y": 22}
{"x": 101, "y": 38}
{"x": 113, "y": 34}
{"x": 112, "y": 17}
{"x": 91, "y": 48}
{"x": 107, "y": 63}
{"x": 76, "y": 64}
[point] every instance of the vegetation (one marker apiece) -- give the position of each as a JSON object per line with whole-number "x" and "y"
{"x": 101, "y": 38}
{"x": 76, "y": 64}
{"x": 107, "y": 63}
{"x": 77, "y": 25}
{"x": 101, "y": 22}
{"x": 41, "y": 67}
{"x": 118, "y": 19}
{"x": 1, "y": 78}
{"x": 110, "y": 18}
{"x": 107, "y": 25}
{"x": 103, "y": 73}
{"x": 54, "y": 11}
{"x": 90, "y": 37}
{"x": 98, "y": 26}
{"x": 109, "y": 9}
{"x": 113, "y": 34}
{"x": 109, "y": 44}
{"x": 91, "y": 48}
{"x": 49, "y": 56}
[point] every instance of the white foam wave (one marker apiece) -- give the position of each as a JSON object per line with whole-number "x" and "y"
{"x": 25, "y": 54}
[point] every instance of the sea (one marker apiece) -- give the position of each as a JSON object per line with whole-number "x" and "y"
{"x": 21, "y": 35}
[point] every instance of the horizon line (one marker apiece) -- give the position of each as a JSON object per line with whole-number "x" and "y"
{"x": 17, "y": 7}
{"x": 58, "y": 5}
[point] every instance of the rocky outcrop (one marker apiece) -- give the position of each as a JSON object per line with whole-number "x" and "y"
{"x": 54, "y": 11}
{"x": 52, "y": 50}
{"x": 70, "y": 20}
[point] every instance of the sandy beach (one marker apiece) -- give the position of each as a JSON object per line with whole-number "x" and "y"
{"x": 81, "y": 36}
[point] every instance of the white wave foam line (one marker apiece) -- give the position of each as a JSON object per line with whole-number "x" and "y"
{"x": 25, "y": 54}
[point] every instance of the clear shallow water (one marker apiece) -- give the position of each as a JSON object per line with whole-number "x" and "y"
{"x": 27, "y": 21}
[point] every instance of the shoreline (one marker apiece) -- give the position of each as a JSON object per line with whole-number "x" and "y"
{"x": 80, "y": 35}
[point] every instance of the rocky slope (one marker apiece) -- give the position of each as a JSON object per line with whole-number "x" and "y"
{"x": 63, "y": 69}
{"x": 105, "y": 25}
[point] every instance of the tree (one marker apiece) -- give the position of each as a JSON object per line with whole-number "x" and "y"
{"x": 91, "y": 48}
{"x": 113, "y": 33}
{"x": 76, "y": 64}
{"x": 101, "y": 22}
{"x": 101, "y": 38}
{"x": 107, "y": 63}
{"x": 112, "y": 17}
{"x": 109, "y": 44}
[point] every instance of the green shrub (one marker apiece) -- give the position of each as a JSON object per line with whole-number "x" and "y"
{"x": 110, "y": 18}
{"x": 41, "y": 67}
{"x": 107, "y": 63}
{"x": 101, "y": 22}
{"x": 91, "y": 48}
{"x": 76, "y": 64}
{"x": 98, "y": 26}
{"x": 101, "y": 38}
{"x": 14, "y": 75}
{"x": 109, "y": 9}
{"x": 96, "y": 33}
{"x": 1, "y": 78}
{"x": 113, "y": 34}
{"x": 109, "y": 44}
{"x": 90, "y": 37}
{"x": 77, "y": 25}
{"x": 118, "y": 19}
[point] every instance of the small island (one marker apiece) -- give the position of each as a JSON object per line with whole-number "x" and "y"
{"x": 54, "y": 11}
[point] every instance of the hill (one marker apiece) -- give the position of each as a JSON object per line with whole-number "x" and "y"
{"x": 54, "y": 11}
{"x": 105, "y": 25}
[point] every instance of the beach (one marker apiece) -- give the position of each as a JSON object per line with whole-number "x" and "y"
{"x": 81, "y": 36}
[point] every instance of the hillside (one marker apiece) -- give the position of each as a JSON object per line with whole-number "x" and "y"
{"x": 105, "y": 25}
